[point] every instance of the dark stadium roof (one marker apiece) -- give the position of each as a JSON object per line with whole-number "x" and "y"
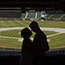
{"x": 57, "y": 4}
{"x": 22, "y": 3}
{"x": 29, "y": 2}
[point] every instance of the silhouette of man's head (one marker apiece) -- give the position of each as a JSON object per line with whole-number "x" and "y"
{"x": 26, "y": 33}
{"x": 34, "y": 26}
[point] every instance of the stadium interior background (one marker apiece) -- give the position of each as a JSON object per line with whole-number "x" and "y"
{"x": 32, "y": 10}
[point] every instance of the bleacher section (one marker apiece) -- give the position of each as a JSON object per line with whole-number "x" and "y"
{"x": 39, "y": 15}
{"x": 23, "y": 15}
{"x": 31, "y": 15}
{"x": 56, "y": 15}
{"x": 48, "y": 16}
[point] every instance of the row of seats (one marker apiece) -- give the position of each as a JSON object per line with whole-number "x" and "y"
{"x": 38, "y": 15}
{"x": 31, "y": 14}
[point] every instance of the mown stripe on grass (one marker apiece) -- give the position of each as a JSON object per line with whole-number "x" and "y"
{"x": 9, "y": 37}
{"x": 54, "y": 34}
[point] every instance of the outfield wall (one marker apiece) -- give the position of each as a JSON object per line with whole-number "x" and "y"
{"x": 23, "y": 19}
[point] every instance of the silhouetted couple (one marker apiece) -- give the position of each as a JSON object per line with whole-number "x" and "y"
{"x": 33, "y": 52}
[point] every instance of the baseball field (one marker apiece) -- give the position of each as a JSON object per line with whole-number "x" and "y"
{"x": 10, "y": 33}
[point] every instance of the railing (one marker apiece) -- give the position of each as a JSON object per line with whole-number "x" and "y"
{"x": 17, "y": 52}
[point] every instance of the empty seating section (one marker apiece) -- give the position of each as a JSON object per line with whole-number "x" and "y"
{"x": 56, "y": 15}
{"x": 23, "y": 15}
{"x": 38, "y": 14}
{"x": 48, "y": 15}
{"x": 63, "y": 16}
{"x": 31, "y": 15}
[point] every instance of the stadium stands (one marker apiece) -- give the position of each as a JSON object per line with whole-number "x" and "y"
{"x": 23, "y": 15}
{"x": 31, "y": 15}
{"x": 8, "y": 13}
{"x": 49, "y": 15}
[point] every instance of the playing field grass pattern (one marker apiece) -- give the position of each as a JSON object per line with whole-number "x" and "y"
{"x": 10, "y": 37}
{"x": 54, "y": 24}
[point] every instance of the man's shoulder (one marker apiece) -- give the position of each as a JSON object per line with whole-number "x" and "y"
{"x": 42, "y": 33}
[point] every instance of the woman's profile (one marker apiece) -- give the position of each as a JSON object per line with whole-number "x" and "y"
{"x": 26, "y": 51}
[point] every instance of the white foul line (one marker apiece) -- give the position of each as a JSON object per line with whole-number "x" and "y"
{"x": 54, "y": 34}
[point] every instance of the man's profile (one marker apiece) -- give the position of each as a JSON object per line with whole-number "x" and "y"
{"x": 40, "y": 37}
{"x": 40, "y": 41}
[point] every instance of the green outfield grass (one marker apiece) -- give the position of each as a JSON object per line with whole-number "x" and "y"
{"x": 55, "y": 24}
{"x": 11, "y": 33}
{"x": 10, "y": 42}
{"x": 58, "y": 40}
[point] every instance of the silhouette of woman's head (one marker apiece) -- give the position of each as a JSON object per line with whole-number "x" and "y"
{"x": 26, "y": 33}
{"x": 34, "y": 26}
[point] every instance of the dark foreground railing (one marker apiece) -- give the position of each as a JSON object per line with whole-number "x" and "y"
{"x": 17, "y": 52}
{"x": 12, "y": 56}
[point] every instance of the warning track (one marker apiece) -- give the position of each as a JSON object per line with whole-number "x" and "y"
{"x": 20, "y": 48}
{"x": 9, "y": 47}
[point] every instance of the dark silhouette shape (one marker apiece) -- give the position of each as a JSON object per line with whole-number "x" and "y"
{"x": 40, "y": 43}
{"x": 27, "y": 57}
